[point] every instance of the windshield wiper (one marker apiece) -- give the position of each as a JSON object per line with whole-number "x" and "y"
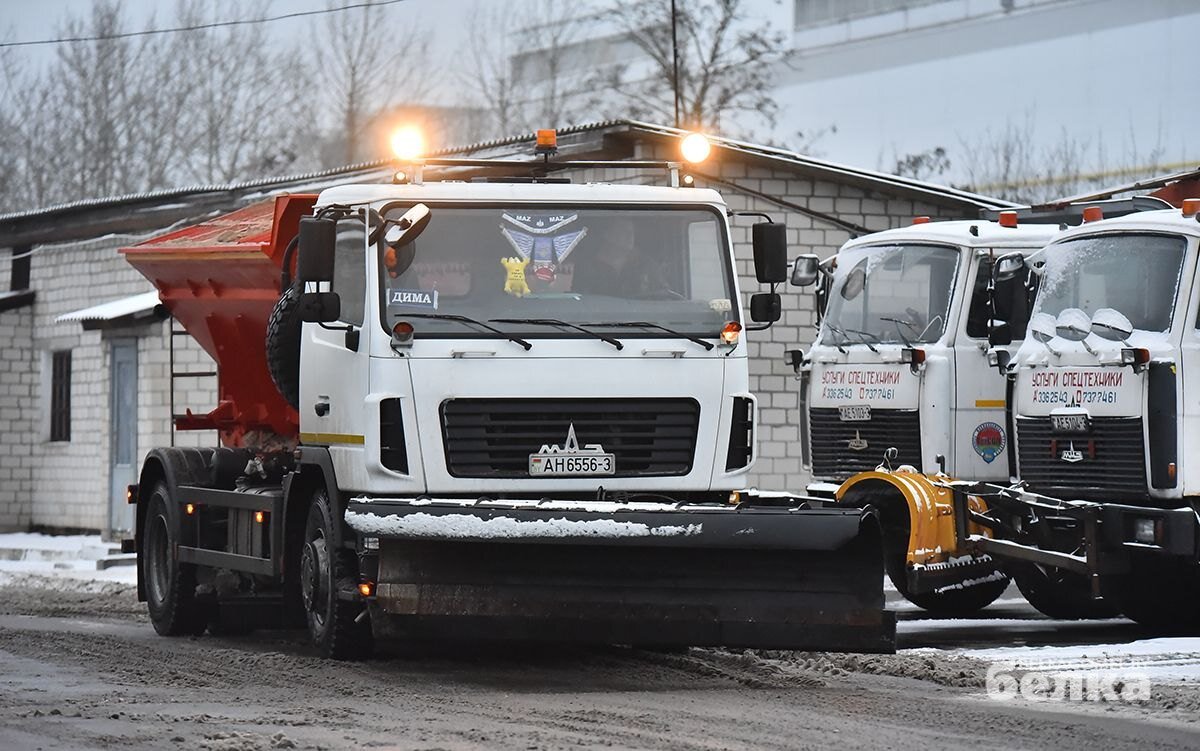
{"x": 562, "y": 324}
{"x": 836, "y": 330}
{"x": 472, "y": 322}
{"x": 862, "y": 337}
{"x": 910, "y": 324}
{"x": 648, "y": 325}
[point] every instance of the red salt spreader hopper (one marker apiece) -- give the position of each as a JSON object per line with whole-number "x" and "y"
{"x": 220, "y": 280}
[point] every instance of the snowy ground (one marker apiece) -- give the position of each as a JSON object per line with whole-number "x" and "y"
{"x": 80, "y": 667}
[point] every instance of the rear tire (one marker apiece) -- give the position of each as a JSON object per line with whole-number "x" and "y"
{"x": 1061, "y": 595}
{"x": 325, "y": 569}
{"x": 170, "y": 585}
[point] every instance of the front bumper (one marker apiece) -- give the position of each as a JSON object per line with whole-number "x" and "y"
{"x": 1086, "y": 537}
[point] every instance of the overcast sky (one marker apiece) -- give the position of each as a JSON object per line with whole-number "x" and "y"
{"x": 1128, "y": 83}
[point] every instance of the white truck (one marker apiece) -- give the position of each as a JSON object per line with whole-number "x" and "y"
{"x": 1106, "y": 416}
{"x": 1100, "y": 516}
{"x": 901, "y": 366}
{"x": 506, "y": 408}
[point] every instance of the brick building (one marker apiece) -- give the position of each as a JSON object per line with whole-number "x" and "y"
{"x": 86, "y": 358}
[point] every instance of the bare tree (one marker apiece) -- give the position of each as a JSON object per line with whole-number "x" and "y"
{"x": 553, "y": 74}
{"x": 1016, "y": 164}
{"x": 28, "y": 174}
{"x": 371, "y": 60}
{"x": 529, "y": 75}
{"x": 490, "y": 75}
{"x": 922, "y": 165}
{"x": 236, "y": 95}
{"x": 725, "y": 62}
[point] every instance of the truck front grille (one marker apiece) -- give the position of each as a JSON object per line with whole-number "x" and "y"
{"x": 1111, "y": 458}
{"x": 839, "y": 449}
{"x": 494, "y": 437}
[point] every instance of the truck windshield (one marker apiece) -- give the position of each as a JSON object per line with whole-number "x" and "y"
{"x": 890, "y": 294}
{"x": 583, "y": 266}
{"x": 1134, "y": 273}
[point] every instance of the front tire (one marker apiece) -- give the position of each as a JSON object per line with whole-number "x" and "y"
{"x": 170, "y": 585}
{"x": 1061, "y": 595}
{"x": 325, "y": 570}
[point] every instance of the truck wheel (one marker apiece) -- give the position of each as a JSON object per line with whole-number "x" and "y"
{"x": 283, "y": 345}
{"x": 326, "y": 570}
{"x": 963, "y": 601}
{"x": 170, "y": 585}
{"x": 1060, "y": 594}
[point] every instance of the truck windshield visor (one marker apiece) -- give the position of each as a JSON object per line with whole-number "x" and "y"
{"x": 1136, "y": 274}
{"x": 883, "y": 294}
{"x": 584, "y": 266}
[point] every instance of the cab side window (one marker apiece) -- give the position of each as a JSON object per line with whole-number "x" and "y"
{"x": 349, "y": 270}
{"x": 1014, "y": 301}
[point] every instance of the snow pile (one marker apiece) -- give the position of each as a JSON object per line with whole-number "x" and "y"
{"x": 469, "y": 527}
{"x": 28, "y": 556}
{"x": 1163, "y": 660}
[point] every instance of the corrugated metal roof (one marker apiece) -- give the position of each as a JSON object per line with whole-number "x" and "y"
{"x": 113, "y": 309}
{"x": 316, "y": 179}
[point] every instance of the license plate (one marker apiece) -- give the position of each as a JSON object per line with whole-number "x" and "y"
{"x": 857, "y": 413}
{"x": 560, "y": 465}
{"x": 1069, "y": 423}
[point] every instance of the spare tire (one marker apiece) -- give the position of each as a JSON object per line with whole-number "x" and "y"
{"x": 283, "y": 345}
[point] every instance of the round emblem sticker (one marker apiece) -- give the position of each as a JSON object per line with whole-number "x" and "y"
{"x": 988, "y": 441}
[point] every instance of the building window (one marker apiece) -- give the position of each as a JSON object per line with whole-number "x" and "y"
{"x": 60, "y": 396}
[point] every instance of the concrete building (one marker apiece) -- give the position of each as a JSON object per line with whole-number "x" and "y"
{"x": 86, "y": 359}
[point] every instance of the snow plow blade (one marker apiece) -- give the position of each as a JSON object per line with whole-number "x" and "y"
{"x": 638, "y": 573}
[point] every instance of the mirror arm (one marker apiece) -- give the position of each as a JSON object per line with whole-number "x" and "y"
{"x": 762, "y": 214}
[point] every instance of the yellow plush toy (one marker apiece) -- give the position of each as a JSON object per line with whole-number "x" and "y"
{"x": 515, "y": 284}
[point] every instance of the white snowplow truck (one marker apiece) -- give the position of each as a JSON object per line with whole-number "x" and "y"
{"x": 1101, "y": 514}
{"x": 511, "y": 408}
{"x": 903, "y": 374}
{"x": 1103, "y": 419}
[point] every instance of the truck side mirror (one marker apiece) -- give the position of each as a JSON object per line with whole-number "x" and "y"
{"x": 1008, "y": 267}
{"x": 407, "y": 228}
{"x": 320, "y": 307}
{"x": 794, "y": 358}
{"x": 806, "y": 270}
{"x": 770, "y": 252}
{"x": 999, "y": 333}
{"x": 766, "y": 307}
{"x": 316, "y": 250}
{"x": 999, "y": 359}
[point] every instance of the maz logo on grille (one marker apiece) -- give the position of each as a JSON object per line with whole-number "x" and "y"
{"x": 857, "y": 443}
{"x": 1072, "y": 454}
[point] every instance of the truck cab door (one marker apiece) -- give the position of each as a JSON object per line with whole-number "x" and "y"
{"x": 334, "y": 364}
{"x": 981, "y": 442}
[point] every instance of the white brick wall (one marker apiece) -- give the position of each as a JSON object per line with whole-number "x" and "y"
{"x": 66, "y": 484}
{"x": 18, "y": 415}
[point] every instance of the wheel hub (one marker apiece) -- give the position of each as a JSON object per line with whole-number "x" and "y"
{"x": 314, "y": 573}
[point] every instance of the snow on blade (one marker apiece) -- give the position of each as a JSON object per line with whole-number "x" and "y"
{"x": 467, "y": 526}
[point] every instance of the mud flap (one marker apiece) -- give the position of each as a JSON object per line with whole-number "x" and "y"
{"x": 772, "y": 577}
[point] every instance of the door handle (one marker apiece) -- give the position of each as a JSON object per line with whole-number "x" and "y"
{"x": 321, "y": 408}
